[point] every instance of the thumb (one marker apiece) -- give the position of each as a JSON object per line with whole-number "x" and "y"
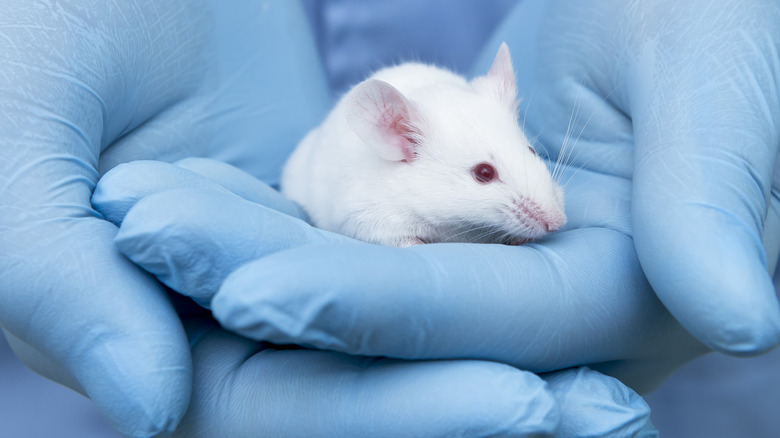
{"x": 706, "y": 114}
{"x": 66, "y": 290}
{"x": 107, "y": 327}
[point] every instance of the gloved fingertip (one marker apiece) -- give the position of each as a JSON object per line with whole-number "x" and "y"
{"x": 267, "y": 299}
{"x": 157, "y": 234}
{"x": 707, "y": 264}
{"x": 736, "y": 319}
{"x": 745, "y": 337}
{"x": 529, "y": 409}
{"x": 136, "y": 397}
{"x": 239, "y": 306}
{"x": 113, "y": 194}
{"x": 475, "y": 398}
{"x": 242, "y": 184}
{"x": 121, "y": 187}
{"x": 142, "y": 390}
{"x": 595, "y": 405}
{"x": 147, "y": 412}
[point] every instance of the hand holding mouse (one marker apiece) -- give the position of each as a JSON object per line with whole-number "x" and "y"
{"x": 95, "y": 84}
{"x": 194, "y": 223}
{"x": 90, "y": 84}
{"x": 681, "y": 99}
{"x": 604, "y": 189}
{"x": 374, "y": 300}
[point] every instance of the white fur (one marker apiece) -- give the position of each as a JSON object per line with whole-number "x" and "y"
{"x": 371, "y": 193}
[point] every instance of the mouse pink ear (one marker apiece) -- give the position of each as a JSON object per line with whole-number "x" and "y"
{"x": 382, "y": 117}
{"x": 500, "y": 79}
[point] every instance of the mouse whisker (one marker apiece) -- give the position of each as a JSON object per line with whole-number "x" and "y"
{"x": 567, "y": 141}
{"x": 573, "y": 116}
{"x": 570, "y": 175}
{"x": 481, "y": 231}
{"x": 527, "y": 109}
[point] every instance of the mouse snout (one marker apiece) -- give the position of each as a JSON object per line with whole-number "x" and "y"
{"x": 538, "y": 219}
{"x": 553, "y": 222}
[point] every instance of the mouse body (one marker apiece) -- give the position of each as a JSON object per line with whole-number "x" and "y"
{"x": 418, "y": 154}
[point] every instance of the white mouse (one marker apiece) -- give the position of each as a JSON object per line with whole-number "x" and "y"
{"x": 417, "y": 154}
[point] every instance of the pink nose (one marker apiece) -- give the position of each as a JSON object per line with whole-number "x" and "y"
{"x": 553, "y": 222}
{"x": 534, "y": 215}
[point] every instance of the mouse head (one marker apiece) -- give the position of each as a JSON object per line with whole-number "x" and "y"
{"x": 457, "y": 157}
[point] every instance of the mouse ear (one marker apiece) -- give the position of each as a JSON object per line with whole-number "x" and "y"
{"x": 500, "y": 79}
{"x": 382, "y": 117}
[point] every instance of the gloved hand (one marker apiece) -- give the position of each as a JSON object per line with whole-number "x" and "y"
{"x": 577, "y": 298}
{"x": 681, "y": 99}
{"x": 194, "y": 223}
{"x": 85, "y": 85}
{"x": 93, "y": 84}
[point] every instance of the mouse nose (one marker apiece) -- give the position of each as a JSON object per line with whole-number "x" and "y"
{"x": 553, "y": 222}
{"x": 540, "y": 219}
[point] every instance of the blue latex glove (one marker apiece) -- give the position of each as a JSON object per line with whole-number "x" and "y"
{"x": 287, "y": 282}
{"x": 187, "y": 225}
{"x": 94, "y": 84}
{"x": 85, "y": 85}
{"x": 680, "y": 98}
{"x": 577, "y": 298}
{"x": 654, "y": 93}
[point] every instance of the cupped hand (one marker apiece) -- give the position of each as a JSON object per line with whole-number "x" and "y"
{"x": 183, "y": 224}
{"x": 576, "y": 298}
{"x": 681, "y": 100}
{"x": 579, "y": 297}
{"x": 634, "y": 90}
{"x": 90, "y": 84}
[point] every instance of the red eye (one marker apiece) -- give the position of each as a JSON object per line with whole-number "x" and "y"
{"x": 533, "y": 151}
{"x": 484, "y": 172}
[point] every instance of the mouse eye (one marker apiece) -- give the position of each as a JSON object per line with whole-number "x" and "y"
{"x": 484, "y": 172}
{"x": 533, "y": 151}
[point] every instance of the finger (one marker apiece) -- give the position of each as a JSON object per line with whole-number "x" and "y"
{"x": 594, "y": 405}
{"x": 191, "y": 239}
{"x": 706, "y": 115}
{"x": 242, "y": 184}
{"x": 574, "y": 300}
{"x": 245, "y": 389}
{"x": 76, "y": 104}
{"x": 66, "y": 291}
{"x": 99, "y": 320}
{"x": 120, "y": 188}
